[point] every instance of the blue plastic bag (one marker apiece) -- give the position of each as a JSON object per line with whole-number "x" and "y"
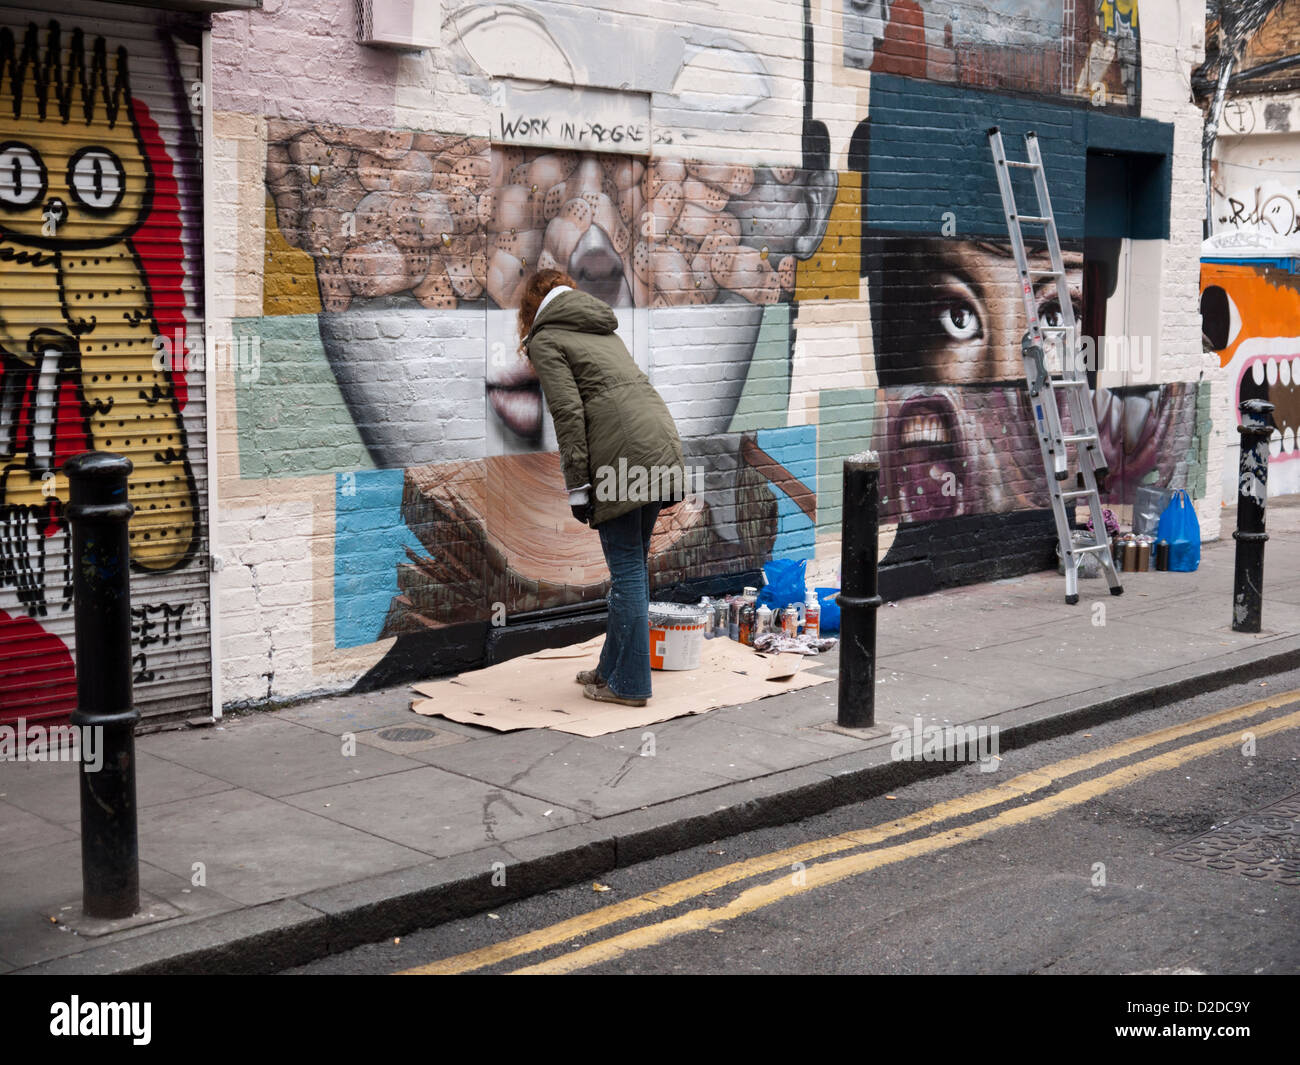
{"x": 785, "y": 583}
{"x": 830, "y": 617}
{"x": 1179, "y": 526}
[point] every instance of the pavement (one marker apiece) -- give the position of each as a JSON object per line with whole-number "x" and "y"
{"x": 270, "y": 840}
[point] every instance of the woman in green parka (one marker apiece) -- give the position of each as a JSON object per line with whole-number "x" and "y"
{"x": 621, "y": 457}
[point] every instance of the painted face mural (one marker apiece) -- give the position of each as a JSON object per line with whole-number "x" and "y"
{"x": 91, "y": 294}
{"x": 1250, "y": 312}
{"x": 957, "y": 438}
{"x": 410, "y": 248}
{"x": 410, "y": 233}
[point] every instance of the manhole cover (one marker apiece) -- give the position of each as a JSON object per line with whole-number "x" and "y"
{"x": 405, "y": 734}
{"x": 1262, "y": 846}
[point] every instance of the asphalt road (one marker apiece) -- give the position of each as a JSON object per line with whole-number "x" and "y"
{"x": 1084, "y": 854}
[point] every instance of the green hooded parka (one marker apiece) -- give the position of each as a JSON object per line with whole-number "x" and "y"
{"x": 613, "y": 428}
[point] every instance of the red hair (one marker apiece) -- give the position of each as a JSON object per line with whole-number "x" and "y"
{"x": 535, "y": 289}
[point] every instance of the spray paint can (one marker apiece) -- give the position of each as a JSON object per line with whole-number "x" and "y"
{"x": 812, "y": 615}
{"x": 790, "y": 620}
{"x": 1130, "y": 556}
{"x": 1162, "y": 556}
{"x": 1144, "y": 555}
{"x": 747, "y": 624}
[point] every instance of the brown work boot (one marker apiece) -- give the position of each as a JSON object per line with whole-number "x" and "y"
{"x": 601, "y": 694}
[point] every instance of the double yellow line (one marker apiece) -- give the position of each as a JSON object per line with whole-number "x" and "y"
{"x": 829, "y": 872}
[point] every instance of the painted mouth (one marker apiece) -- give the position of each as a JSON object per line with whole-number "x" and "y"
{"x": 519, "y": 407}
{"x": 1276, "y": 378}
{"x": 1133, "y": 427}
{"x": 927, "y": 443}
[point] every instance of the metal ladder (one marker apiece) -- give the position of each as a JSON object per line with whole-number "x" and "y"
{"x": 1043, "y": 384}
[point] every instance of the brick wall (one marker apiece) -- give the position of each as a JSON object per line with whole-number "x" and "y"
{"x": 772, "y": 225}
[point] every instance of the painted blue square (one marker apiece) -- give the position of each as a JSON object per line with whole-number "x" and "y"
{"x": 795, "y": 448}
{"x": 370, "y": 540}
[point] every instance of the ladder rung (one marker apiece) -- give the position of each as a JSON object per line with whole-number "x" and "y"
{"x": 1034, "y": 346}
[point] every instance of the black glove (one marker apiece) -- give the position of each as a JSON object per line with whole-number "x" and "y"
{"x": 581, "y": 512}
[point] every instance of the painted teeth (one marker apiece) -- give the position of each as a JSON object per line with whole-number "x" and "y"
{"x": 924, "y": 429}
{"x": 1283, "y": 370}
{"x": 1136, "y": 411}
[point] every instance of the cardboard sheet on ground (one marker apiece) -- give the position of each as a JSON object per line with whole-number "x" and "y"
{"x": 538, "y": 691}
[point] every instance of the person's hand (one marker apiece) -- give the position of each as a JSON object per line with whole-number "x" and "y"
{"x": 581, "y": 512}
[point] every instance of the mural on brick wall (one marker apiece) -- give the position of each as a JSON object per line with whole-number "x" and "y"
{"x": 418, "y": 244}
{"x": 394, "y": 259}
{"x": 1250, "y": 270}
{"x": 90, "y": 285}
{"x": 957, "y": 436}
{"x": 958, "y": 450}
{"x": 1089, "y": 51}
{"x": 1250, "y": 314}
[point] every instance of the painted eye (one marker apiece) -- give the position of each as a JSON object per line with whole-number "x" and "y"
{"x": 1049, "y": 312}
{"x": 1052, "y": 317}
{"x": 96, "y": 178}
{"x": 960, "y": 321}
{"x": 22, "y": 176}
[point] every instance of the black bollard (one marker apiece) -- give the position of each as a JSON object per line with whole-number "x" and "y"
{"x": 98, "y": 512}
{"x": 858, "y": 598}
{"x": 1252, "y": 494}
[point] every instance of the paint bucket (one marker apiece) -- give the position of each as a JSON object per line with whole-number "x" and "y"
{"x": 676, "y": 635}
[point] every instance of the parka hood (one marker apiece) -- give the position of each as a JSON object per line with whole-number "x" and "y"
{"x": 578, "y": 311}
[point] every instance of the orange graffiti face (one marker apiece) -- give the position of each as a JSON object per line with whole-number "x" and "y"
{"x": 1250, "y": 315}
{"x": 1243, "y": 301}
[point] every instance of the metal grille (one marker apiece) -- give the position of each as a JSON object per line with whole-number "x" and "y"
{"x": 1259, "y": 846}
{"x": 101, "y": 327}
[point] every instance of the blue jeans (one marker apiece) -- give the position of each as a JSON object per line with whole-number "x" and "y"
{"x": 625, "y": 658}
